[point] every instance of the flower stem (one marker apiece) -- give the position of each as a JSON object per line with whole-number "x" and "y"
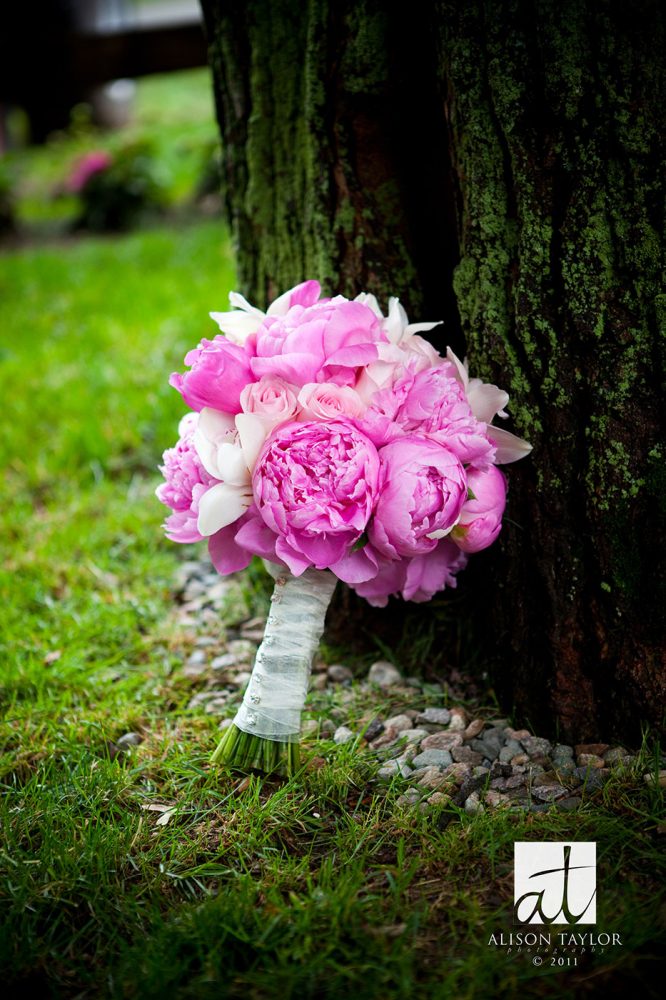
{"x": 264, "y": 735}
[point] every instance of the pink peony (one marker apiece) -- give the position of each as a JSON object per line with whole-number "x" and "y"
{"x": 436, "y": 405}
{"x": 481, "y": 518}
{"x": 186, "y": 482}
{"x": 330, "y": 341}
{"x": 314, "y": 486}
{"x": 219, "y": 373}
{"x": 417, "y": 579}
{"x": 422, "y": 488}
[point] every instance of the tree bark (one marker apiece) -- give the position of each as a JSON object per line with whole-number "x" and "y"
{"x": 498, "y": 165}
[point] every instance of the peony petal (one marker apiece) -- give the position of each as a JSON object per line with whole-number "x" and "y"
{"x": 212, "y": 428}
{"x": 371, "y": 302}
{"x": 221, "y": 505}
{"x": 232, "y": 464}
{"x": 240, "y": 302}
{"x": 226, "y": 555}
{"x": 485, "y": 400}
{"x": 236, "y": 326}
{"x": 252, "y": 432}
{"x": 509, "y": 447}
{"x": 460, "y": 367}
{"x": 305, "y": 294}
{"x": 413, "y": 328}
{"x": 396, "y": 321}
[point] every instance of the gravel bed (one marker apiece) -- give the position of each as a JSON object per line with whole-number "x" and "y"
{"x": 438, "y": 754}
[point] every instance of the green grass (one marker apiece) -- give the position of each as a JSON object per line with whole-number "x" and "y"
{"x": 155, "y": 873}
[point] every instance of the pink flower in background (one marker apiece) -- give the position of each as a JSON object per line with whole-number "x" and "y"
{"x": 422, "y": 489}
{"x": 85, "y": 168}
{"x": 330, "y": 341}
{"x": 186, "y": 481}
{"x": 219, "y": 373}
{"x": 315, "y": 486}
{"x": 481, "y": 518}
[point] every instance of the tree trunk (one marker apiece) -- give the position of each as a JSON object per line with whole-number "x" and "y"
{"x": 496, "y": 165}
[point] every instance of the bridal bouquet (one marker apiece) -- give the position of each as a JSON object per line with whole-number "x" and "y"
{"x": 337, "y": 444}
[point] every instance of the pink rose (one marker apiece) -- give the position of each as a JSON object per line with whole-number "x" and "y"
{"x": 329, "y": 341}
{"x": 422, "y": 488}
{"x": 327, "y": 401}
{"x": 272, "y": 399}
{"x": 436, "y": 405}
{"x": 219, "y": 373}
{"x": 186, "y": 482}
{"x": 314, "y": 486}
{"x": 417, "y": 579}
{"x": 481, "y": 518}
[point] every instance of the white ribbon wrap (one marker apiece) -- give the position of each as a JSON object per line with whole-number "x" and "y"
{"x": 275, "y": 695}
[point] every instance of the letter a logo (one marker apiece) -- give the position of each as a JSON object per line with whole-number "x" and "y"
{"x": 555, "y": 883}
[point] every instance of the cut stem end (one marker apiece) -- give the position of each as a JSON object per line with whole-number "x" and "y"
{"x": 245, "y": 752}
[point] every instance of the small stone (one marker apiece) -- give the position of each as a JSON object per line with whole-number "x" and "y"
{"x": 650, "y": 778}
{"x": 413, "y": 682}
{"x": 413, "y": 735}
{"x": 480, "y": 771}
{"x": 225, "y": 723}
{"x": 615, "y": 755}
{"x": 310, "y": 727}
{"x": 548, "y": 793}
{"x": 598, "y": 749}
{"x": 342, "y": 735}
{"x": 498, "y": 783}
{"x": 384, "y": 674}
{"x": 546, "y": 778}
{"x": 436, "y": 716}
{"x": 442, "y": 741}
{"x": 129, "y": 740}
{"x": 473, "y": 804}
{"x": 242, "y": 650}
{"x": 408, "y": 798}
{"x": 536, "y": 746}
{"x": 318, "y": 682}
{"x": 515, "y": 781}
{"x": 466, "y": 755}
{"x": 589, "y": 760}
{"x": 569, "y": 804}
{"x": 240, "y": 679}
{"x": 326, "y": 728}
{"x": 339, "y": 674}
{"x": 387, "y": 738}
{"x": 373, "y": 730}
{"x": 520, "y": 758}
{"x": 517, "y": 734}
{"x": 591, "y": 778}
{"x": 223, "y": 662}
{"x": 473, "y": 729}
{"x": 434, "y": 758}
{"x": 562, "y": 750}
{"x": 458, "y": 772}
{"x": 494, "y": 798}
{"x": 459, "y": 719}
{"x": 392, "y": 769}
{"x": 216, "y": 706}
{"x": 399, "y": 723}
{"x": 432, "y": 777}
{"x": 439, "y": 799}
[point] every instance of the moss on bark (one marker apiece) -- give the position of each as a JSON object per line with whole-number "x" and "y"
{"x": 497, "y": 164}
